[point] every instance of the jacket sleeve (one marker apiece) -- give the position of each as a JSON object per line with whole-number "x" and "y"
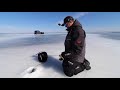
{"x": 78, "y": 39}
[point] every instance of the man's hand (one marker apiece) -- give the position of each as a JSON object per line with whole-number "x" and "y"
{"x": 64, "y": 55}
{"x": 61, "y": 58}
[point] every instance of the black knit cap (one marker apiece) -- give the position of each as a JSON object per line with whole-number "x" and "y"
{"x": 67, "y": 19}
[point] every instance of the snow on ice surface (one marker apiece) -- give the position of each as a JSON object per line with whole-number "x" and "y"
{"x": 18, "y": 57}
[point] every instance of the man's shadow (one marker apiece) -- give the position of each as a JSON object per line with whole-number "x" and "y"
{"x": 51, "y": 63}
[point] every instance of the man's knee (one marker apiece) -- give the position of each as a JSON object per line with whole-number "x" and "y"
{"x": 68, "y": 72}
{"x": 71, "y": 69}
{"x": 79, "y": 69}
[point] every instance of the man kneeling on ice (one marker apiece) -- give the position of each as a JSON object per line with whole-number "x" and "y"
{"x": 73, "y": 57}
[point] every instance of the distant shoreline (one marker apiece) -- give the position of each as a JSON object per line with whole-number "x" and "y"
{"x": 32, "y": 33}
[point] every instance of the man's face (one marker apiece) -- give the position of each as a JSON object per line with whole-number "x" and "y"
{"x": 68, "y": 24}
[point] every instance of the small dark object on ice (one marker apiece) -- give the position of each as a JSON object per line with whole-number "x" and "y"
{"x": 42, "y": 56}
{"x": 33, "y": 70}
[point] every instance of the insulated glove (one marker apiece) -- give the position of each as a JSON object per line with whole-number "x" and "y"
{"x": 64, "y": 55}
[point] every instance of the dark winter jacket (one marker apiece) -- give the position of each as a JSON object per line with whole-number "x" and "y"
{"x": 75, "y": 41}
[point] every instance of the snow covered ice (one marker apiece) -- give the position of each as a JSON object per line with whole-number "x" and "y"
{"x": 18, "y": 56}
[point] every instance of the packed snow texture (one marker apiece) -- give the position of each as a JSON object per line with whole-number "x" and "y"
{"x": 18, "y": 57}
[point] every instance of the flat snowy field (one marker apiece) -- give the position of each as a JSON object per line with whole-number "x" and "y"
{"x": 18, "y": 56}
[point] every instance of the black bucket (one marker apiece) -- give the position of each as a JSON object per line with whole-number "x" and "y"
{"x": 42, "y": 57}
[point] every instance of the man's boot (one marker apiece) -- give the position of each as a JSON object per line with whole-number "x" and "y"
{"x": 87, "y": 64}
